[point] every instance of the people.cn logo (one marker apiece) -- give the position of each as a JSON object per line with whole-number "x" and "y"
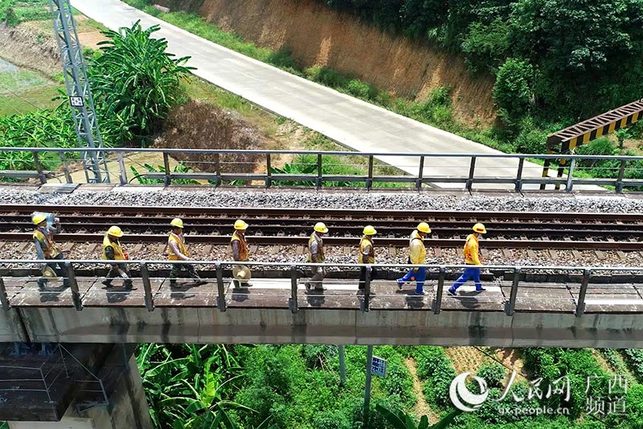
{"x": 463, "y": 398}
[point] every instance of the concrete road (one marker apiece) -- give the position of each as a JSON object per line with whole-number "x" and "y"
{"x": 349, "y": 121}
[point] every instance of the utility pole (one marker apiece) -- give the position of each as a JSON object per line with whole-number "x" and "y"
{"x": 342, "y": 365}
{"x": 367, "y": 389}
{"x": 79, "y": 91}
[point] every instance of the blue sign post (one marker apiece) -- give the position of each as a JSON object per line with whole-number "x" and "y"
{"x": 376, "y": 366}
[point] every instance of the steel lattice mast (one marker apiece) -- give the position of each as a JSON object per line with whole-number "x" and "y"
{"x": 79, "y": 91}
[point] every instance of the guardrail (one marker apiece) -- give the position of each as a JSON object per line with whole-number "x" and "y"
{"x": 220, "y": 270}
{"x": 367, "y": 170}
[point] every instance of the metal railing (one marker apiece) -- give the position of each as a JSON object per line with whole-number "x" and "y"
{"x": 219, "y": 272}
{"x": 367, "y": 170}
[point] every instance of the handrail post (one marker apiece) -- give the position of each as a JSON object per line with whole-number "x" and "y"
{"x": 513, "y": 295}
{"x": 63, "y": 160}
{"x": 147, "y": 287}
{"x": 472, "y": 169}
{"x": 73, "y": 285}
{"x": 437, "y": 300}
{"x": 293, "y": 302}
{"x": 369, "y": 180}
{"x": 418, "y": 181}
{"x": 367, "y": 290}
{"x": 3, "y": 295}
{"x": 268, "y": 180}
{"x": 580, "y": 305}
{"x": 220, "y": 289}
{"x": 319, "y": 170}
{"x": 121, "y": 166}
{"x": 166, "y": 164}
{"x": 570, "y": 180}
{"x": 217, "y": 169}
{"x": 521, "y": 164}
{"x": 621, "y": 174}
{"x": 41, "y": 173}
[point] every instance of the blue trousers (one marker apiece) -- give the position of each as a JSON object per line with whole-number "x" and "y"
{"x": 469, "y": 274}
{"x": 419, "y": 275}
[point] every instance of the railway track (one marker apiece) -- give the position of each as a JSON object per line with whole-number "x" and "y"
{"x": 270, "y": 226}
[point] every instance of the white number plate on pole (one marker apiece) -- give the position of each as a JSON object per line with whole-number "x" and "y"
{"x": 378, "y": 367}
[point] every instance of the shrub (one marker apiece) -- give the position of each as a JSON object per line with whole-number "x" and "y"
{"x": 493, "y": 373}
{"x": 512, "y": 91}
{"x": 486, "y": 45}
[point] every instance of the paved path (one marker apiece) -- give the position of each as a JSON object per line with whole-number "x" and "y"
{"x": 347, "y": 120}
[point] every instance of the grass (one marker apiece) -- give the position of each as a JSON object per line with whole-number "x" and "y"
{"x": 23, "y": 91}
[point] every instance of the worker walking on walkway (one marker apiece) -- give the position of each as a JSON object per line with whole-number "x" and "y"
{"x": 366, "y": 254}
{"x": 471, "y": 257}
{"x": 240, "y": 252}
{"x": 316, "y": 255}
{"x": 113, "y": 251}
{"x": 46, "y": 248}
{"x": 417, "y": 256}
{"x": 178, "y": 251}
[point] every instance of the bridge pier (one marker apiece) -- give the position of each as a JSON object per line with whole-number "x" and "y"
{"x": 81, "y": 386}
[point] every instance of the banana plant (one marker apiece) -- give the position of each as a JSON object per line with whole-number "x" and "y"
{"x": 403, "y": 420}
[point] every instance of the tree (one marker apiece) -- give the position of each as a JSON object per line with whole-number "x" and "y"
{"x": 135, "y": 82}
{"x": 513, "y": 92}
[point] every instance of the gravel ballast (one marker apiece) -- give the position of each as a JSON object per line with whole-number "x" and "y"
{"x": 331, "y": 200}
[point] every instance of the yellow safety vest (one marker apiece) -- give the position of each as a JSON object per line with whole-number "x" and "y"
{"x": 415, "y": 234}
{"x": 179, "y": 241}
{"x": 417, "y": 251}
{"x": 370, "y": 257}
{"x": 119, "y": 254}
{"x": 46, "y": 239}
{"x": 320, "y": 248}
{"x": 244, "y": 250}
{"x": 471, "y": 250}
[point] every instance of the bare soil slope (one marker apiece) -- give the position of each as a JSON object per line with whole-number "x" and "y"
{"x": 317, "y": 35}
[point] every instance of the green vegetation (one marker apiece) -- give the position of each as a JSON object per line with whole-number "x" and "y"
{"x": 288, "y": 386}
{"x": 135, "y": 82}
{"x": 22, "y": 91}
{"x": 589, "y": 50}
{"x": 13, "y": 12}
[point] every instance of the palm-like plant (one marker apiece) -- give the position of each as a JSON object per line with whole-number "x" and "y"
{"x": 403, "y": 420}
{"x": 135, "y": 81}
{"x": 187, "y": 386}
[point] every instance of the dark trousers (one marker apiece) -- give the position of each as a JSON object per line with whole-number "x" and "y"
{"x": 59, "y": 269}
{"x": 113, "y": 273}
{"x": 179, "y": 269}
{"x": 362, "y": 276}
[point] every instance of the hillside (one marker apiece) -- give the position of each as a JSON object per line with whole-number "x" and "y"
{"x": 317, "y": 35}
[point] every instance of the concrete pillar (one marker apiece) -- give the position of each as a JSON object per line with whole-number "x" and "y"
{"x": 127, "y": 409}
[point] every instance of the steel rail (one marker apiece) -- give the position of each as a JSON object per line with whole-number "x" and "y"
{"x": 344, "y": 241}
{"x": 269, "y": 212}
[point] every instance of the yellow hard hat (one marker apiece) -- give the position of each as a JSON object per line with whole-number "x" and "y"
{"x": 177, "y": 223}
{"x": 38, "y": 218}
{"x": 478, "y": 227}
{"x": 321, "y": 227}
{"x": 424, "y": 227}
{"x": 115, "y": 231}
{"x": 369, "y": 230}
{"x": 241, "y": 225}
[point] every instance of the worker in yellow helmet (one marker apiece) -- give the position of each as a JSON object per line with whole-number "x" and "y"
{"x": 240, "y": 252}
{"x": 316, "y": 255}
{"x": 177, "y": 250}
{"x": 46, "y": 225}
{"x": 366, "y": 254}
{"x": 417, "y": 256}
{"x": 471, "y": 257}
{"x": 113, "y": 251}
